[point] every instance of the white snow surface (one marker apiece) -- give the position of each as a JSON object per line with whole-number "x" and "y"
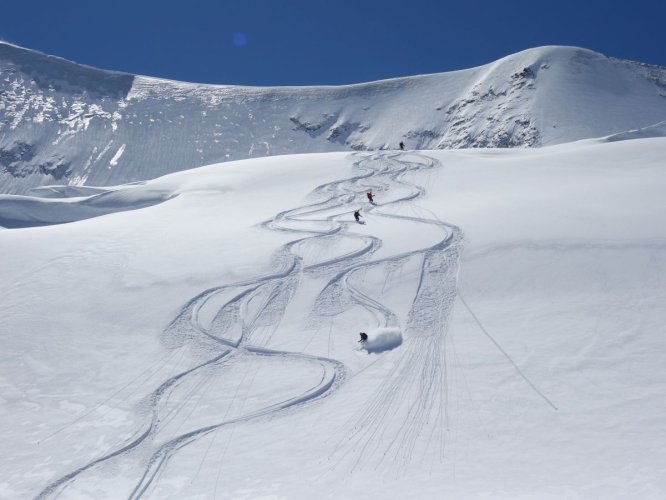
{"x": 64, "y": 123}
{"x": 199, "y": 339}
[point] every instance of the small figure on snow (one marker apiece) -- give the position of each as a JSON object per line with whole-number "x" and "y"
{"x": 357, "y": 216}
{"x": 371, "y": 197}
{"x": 402, "y": 146}
{"x": 364, "y": 337}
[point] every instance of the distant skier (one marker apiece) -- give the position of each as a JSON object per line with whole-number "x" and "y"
{"x": 371, "y": 197}
{"x": 402, "y": 146}
{"x": 357, "y": 216}
{"x": 364, "y": 337}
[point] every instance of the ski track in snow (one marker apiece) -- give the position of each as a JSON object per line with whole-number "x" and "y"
{"x": 421, "y": 370}
{"x": 256, "y": 306}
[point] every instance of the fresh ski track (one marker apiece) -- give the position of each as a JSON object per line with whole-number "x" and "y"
{"x": 426, "y": 325}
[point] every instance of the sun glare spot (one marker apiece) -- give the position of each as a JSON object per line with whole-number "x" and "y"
{"x": 240, "y": 39}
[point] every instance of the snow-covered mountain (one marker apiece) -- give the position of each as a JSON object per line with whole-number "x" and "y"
{"x": 195, "y": 335}
{"x": 64, "y": 123}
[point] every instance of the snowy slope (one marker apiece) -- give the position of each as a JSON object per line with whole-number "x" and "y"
{"x": 205, "y": 345}
{"x": 63, "y": 123}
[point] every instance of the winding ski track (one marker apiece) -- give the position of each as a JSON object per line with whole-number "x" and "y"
{"x": 421, "y": 370}
{"x": 231, "y": 337}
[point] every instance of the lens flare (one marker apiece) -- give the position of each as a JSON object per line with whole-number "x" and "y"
{"x": 240, "y": 39}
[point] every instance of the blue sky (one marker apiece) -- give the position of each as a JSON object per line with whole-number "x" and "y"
{"x": 316, "y": 42}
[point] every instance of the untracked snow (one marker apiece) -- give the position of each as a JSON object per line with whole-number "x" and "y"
{"x": 200, "y": 339}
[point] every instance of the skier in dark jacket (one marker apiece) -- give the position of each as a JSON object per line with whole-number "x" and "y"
{"x": 364, "y": 337}
{"x": 402, "y": 146}
{"x": 357, "y": 215}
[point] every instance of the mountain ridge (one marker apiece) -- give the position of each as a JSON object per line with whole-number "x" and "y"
{"x": 62, "y": 122}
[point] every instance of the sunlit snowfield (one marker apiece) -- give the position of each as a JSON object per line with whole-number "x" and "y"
{"x": 199, "y": 340}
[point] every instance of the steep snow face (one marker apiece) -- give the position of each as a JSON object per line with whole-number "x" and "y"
{"x": 63, "y": 123}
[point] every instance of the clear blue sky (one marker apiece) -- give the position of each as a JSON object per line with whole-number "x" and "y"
{"x": 312, "y": 42}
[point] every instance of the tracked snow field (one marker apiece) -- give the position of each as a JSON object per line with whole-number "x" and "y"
{"x": 200, "y": 339}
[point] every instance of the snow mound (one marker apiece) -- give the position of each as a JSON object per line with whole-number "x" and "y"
{"x": 656, "y": 130}
{"x": 383, "y": 339}
{"x": 29, "y": 211}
